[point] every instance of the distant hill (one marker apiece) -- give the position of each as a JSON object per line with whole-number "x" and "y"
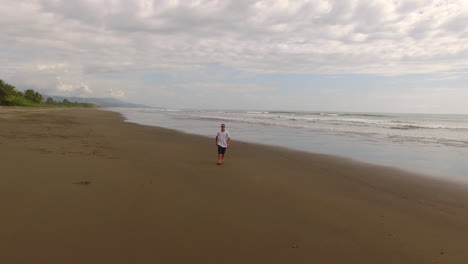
{"x": 111, "y": 102}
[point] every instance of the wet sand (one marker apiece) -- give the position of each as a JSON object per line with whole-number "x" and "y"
{"x": 82, "y": 186}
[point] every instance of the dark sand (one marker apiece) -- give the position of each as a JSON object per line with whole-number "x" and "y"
{"x": 157, "y": 196}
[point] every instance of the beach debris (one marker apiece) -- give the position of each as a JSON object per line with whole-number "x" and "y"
{"x": 83, "y": 182}
{"x": 294, "y": 245}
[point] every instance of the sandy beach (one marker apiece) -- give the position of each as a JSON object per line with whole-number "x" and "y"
{"x": 83, "y": 186}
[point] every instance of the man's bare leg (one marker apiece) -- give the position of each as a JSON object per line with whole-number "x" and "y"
{"x": 220, "y": 158}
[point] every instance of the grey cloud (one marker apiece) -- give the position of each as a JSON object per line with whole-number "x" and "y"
{"x": 336, "y": 36}
{"x": 421, "y": 29}
{"x": 406, "y": 7}
{"x": 458, "y": 24}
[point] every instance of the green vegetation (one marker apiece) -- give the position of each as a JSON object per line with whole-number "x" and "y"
{"x": 33, "y": 96}
{"x": 9, "y": 96}
{"x": 50, "y": 102}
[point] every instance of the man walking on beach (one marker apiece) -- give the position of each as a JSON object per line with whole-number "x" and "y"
{"x": 222, "y": 141}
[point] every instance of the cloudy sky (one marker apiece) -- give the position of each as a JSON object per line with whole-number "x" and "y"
{"x": 335, "y": 55}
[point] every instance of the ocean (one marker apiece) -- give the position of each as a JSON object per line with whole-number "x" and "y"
{"x": 431, "y": 144}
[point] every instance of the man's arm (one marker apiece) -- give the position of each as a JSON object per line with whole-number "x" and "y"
{"x": 216, "y": 140}
{"x": 229, "y": 142}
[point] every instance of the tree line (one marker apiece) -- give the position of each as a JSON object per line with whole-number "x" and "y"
{"x": 10, "y": 96}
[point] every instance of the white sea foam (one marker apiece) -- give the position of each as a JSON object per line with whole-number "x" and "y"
{"x": 438, "y": 129}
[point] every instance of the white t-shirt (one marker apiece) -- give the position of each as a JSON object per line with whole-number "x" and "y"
{"x": 223, "y": 138}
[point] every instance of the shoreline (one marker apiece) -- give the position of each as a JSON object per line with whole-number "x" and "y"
{"x": 424, "y": 173}
{"x": 156, "y": 194}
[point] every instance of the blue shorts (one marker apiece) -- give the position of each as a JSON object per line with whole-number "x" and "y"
{"x": 221, "y": 150}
